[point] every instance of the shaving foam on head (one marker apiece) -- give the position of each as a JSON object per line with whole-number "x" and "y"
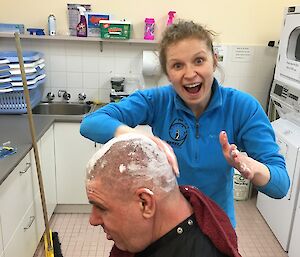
{"x": 148, "y": 162}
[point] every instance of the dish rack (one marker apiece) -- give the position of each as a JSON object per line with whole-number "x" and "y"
{"x": 12, "y": 98}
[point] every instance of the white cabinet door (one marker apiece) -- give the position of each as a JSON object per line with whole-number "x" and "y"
{"x": 28, "y": 233}
{"x": 16, "y": 195}
{"x": 72, "y": 152}
{"x": 47, "y": 162}
{"x": 48, "y": 169}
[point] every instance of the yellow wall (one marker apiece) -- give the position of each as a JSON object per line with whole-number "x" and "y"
{"x": 236, "y": 21}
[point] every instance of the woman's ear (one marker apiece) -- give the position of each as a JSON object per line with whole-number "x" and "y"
{"x": 146, "y": 201}
{"x": 215, "y": 57}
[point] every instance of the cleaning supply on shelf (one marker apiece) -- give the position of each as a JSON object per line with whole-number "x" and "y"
{"x": 149, "y": 29}
{"x": 34, "y": 31}
{"x": 74, "y": 16}
{"x": 82, "y": 25}
{"x": 114, "y": 29}
{"x": 171, "y": 17}
{"x": 51, "y": 25}
{"x": 93, "y": 19}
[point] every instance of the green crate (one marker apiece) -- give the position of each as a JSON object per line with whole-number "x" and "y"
{"x": 115, "y": 29}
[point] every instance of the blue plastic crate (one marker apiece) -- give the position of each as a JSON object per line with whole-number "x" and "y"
{"x": 14, "y": 102}
{"x": 12, "y": 56}
{"x": 18, "y": 77}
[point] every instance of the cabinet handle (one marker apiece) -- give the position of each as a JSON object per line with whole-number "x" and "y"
{"x": 31, "y": 220}
{"x": 28, "y": 164}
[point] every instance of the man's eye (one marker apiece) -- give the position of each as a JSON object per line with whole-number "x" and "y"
{"x": 177, "y": 65}
{"x": 100, "y": 208}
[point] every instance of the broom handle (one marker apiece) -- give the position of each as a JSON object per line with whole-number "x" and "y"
{"x": 32, "y": 131}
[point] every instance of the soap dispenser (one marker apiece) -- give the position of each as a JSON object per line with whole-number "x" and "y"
{"x": 82, "y": 25}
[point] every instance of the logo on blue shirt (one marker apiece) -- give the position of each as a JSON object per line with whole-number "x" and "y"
{"x": 177, "y": 132}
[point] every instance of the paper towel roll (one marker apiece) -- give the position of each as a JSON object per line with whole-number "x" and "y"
{"x": 151, "y": 65}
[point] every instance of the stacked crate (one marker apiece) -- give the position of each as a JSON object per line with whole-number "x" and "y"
{"x": 12, "y": 99}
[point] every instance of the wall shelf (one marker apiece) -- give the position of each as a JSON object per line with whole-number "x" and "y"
{"x": 73, "y": 38}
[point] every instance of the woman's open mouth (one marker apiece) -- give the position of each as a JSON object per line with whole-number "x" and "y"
{"x": 193, "y": 88}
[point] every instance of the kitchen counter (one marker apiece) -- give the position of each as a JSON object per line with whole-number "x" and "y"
{"x": 15, "y": 128}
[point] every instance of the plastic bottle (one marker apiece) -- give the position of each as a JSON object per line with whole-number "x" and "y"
{"x": 149, "y": 29}
{"x": 171, "y": 17}
{"x": 51, "y": 25}
{"x": 82, "y": 25}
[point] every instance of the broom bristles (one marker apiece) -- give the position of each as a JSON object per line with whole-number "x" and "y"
{"x": 56, "y": 245}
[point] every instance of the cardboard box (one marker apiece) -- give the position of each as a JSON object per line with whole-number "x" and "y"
{"x": 93, "y": 19}
{"x": 115, "y": 29}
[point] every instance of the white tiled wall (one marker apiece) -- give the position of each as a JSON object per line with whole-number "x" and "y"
{"x": 79, "y": 66}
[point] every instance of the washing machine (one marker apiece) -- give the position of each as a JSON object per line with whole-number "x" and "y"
{"x": 288, "y": 58}
{"x": 280, "y": 213}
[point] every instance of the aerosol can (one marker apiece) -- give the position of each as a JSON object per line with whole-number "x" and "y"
{"x": 51, "y": 25}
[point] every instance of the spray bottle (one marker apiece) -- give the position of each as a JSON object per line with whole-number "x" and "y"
{"x": 171, "y": 17}
{"x": 149, "y": 29}
{"x": 82, "y": 25}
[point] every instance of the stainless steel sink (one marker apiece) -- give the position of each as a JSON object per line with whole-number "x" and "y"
{"x": 55, "y": 108}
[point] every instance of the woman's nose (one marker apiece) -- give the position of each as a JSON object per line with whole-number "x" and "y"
{"x": 95, "y": 217}
{"x": 190, "y": 72}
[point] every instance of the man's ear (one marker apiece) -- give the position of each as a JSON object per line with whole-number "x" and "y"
{"x": 146, "y": 201}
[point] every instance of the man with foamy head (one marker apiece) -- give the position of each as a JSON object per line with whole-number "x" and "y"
{"x": 137, "y": 201}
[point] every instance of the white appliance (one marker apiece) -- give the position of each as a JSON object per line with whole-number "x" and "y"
{"x": 294, "y": 249}
{"x": 280, "y": 214}
{"x": 288, "y": 59}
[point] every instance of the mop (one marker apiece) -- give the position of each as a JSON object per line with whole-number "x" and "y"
{"x": 51, "y": 240}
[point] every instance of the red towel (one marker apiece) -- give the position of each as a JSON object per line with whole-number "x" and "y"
{"x": 212, "y": 221}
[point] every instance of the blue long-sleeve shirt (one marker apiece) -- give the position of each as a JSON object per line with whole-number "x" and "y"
{"x": 196, "y": 140}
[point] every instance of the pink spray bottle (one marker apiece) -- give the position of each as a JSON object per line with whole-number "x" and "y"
{"x": 171, "y": 17}
{"x": 149, "y": 29}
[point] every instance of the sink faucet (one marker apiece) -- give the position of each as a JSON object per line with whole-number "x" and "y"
{"x": 50, "y": 96}
{"x": 65, "y": 95}
{"x": 81, "y": 97}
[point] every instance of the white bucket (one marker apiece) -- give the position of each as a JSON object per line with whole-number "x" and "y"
{"x": 241, "y": 187}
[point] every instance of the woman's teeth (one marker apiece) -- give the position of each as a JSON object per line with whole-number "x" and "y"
{"x": 193, "y": 88}
{"x": 192, "y": 85}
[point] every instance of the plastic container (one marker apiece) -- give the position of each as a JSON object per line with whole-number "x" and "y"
{"x": 51, "y": 25}
{"x": 14, "y": 102}
{"x": 242, "y": 187}
{"x": 12, "y": 78}
{"x": 82, "y": 25}
{"x": 117, "y": 83}
{"x": 149, "y": 29}
{"x": 171, "y": 17}
{"x": 12, "y": 56}
{"x": 12, "y": 28}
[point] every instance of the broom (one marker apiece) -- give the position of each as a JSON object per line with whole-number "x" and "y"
{"x": 51, "y": 240}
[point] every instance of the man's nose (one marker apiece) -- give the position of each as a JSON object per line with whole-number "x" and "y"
{"x": 95, "y": 217}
